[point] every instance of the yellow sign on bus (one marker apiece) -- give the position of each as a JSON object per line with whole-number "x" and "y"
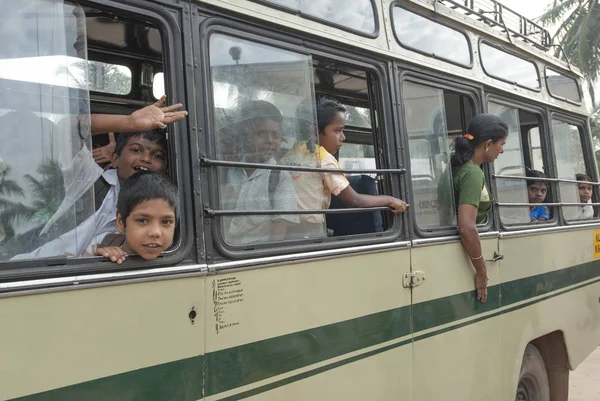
{"x": 597, "y": 244}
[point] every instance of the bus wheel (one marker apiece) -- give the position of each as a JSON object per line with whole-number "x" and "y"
{"x": 533, "y": 379}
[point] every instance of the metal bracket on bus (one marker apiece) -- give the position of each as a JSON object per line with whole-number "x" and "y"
{"x": 496, "y": 257}
{"x": 412, "y": 280}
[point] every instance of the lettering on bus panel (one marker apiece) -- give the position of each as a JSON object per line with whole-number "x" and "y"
{"x": 227, "y": 295}
{"x": 353, "y": 15}
{"x": 562, "y": 86}
{"x": 426, "y": 36}
{"x": 508, "y": 67}
{"x": 596, "y": 244}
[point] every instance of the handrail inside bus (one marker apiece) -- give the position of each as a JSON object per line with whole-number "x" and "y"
{"x": 520, "y": 177}
{"x": 222, "y": 163}
{"x": 212, "y": 212}
{"x": 516, "y": 204}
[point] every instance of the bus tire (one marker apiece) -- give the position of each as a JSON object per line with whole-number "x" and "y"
{"x": 533, "y": 380}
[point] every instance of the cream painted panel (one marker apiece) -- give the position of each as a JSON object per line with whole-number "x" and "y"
{"x": 463, "y": 363}
{"x": 382, "y": 377}
{"x": 542, "y": 253}
{"x": 576, "y": 313}
{"x": 286, "y": 299}
{"x": 57, "y": 339}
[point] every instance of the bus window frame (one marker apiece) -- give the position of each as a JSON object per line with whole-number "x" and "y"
{"x": 323, "y": 21}
{"x": 502, "y": 49}
{"x": 440, "y": 22}
{"x": 217, "y": 249}
{"x": 547, "y": 157}
{"x": 60, "y": 266}
{"x": 450, "y": 84}
{"x": 588, "y": 155}
{"x": 561, "y": 98}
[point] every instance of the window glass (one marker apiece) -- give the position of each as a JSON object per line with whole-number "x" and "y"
{"x": 429, "y": 155}
{"x": 511, "y": 163}
{"x": 358, "y": 116}
{"x": 562, "y": 86}
{"x": 521, "y": 72}
{"x": 158, "y": 85}
{"x": 357, "y": 15}
{"x": 430, "y": 37}
{"x": 264, "y": 109}
{"x": 537, "y": 160}
{"x": 70, "y": 72}
{"x": 46, "y": 169}
{"x": 569, "y": 162}
{"x": 356, "y": 156}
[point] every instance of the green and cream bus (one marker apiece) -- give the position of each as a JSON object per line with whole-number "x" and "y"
{"x": 381, "y": 308}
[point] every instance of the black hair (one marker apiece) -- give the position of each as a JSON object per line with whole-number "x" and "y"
{"x": 157, "y": 135}
{"x": 144, "y": 186}
{"x": 535, "y": 174}
{"x": 327, "y": 109}
{"x": 257, "y": 110}
{"x": 482, "y": 128}
{"x": 583, "y": 177}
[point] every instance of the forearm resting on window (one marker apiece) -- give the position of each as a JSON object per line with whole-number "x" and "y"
{"x": 467, "y": 228}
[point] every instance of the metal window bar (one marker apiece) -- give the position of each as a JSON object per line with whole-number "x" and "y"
{"x": 516, "y": 204}
{"x": 547, "y": 179}
{"x": 212, "y": 212}
{"x": 505, "y": 19}
{"x": 221, "y": 163}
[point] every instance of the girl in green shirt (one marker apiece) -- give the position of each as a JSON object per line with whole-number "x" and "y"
{"x": 483, "y": 143}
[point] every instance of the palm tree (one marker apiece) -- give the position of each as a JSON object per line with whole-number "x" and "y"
{"x": 578, "y": 33}
{"x": 11, "y": 210}
{"x": 48, "y": 192}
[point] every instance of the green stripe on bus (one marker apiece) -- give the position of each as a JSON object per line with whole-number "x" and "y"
{"x": 179, "y": 380}
{"x": 250, "y": 363}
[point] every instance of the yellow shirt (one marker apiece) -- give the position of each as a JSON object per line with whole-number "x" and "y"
{"x": 314, "y": 190}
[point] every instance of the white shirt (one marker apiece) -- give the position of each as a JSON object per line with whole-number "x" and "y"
{"x": 252, "y": 193}
{"x": 83, "y": 239}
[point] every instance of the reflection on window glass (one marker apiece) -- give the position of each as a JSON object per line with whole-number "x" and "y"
{"x": 537, "y": 160}
{"x": 562, "y": 86}
{"x": 158, "y": 85}
{"x": 429, "y": 156}
{"x": 358, "y": 117}
{"x": 569, "y": 163}
{"x": 357, "y": 15}
{"x": 425, "y": 35}
{"x": 355, "y": 156}
{"x": 511, "y": 163}
{"x": 46, "y": 169}
{"x": 505, "y": 66}
{"x": 69, "y": 72}
{"x": 264, "y": 109}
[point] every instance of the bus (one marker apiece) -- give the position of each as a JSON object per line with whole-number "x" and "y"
{"x": 380, "y": 307}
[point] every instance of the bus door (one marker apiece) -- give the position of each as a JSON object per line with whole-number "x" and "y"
{"x": 456, "y": 345}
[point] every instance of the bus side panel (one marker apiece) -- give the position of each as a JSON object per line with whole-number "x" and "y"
{"x": 456, "y": 342}
{"x": 324, "y": 329}
{"x": 550, "y": 282}
{"x": 118, "y": 342}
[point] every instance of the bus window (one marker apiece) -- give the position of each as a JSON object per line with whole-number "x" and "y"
{"x": 158, "y": 85}
{"x": 430, "y": 37}
{"x": 433, "y": 118}
{"x": 562, "y": 86}
{"x": 258, "y": 91}
{"x": 522, "y": 72}
{"x": 511, "y": 163}
{"x": 535, "y": 147}
{"x": 46, "y": 170}
{"x": 569, "y": 162}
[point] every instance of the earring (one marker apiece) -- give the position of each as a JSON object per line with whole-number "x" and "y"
{"x": 487, "y": 148}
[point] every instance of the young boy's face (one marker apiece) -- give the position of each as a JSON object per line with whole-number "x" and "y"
{"x": 139, "y": 154}
{"x": 263, "y": 140}
{"x": 537, "y": 192}
{"x": 585, "y": 192}
{"x": 149, "y": 229}
{"x": 332, "y": 138}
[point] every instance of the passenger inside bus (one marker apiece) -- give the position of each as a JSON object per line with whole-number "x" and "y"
{"x": 482, "y": 143}
{"x": 315, "y": 189}
{"x": 536, "y": 192}
{"x": 259, "y": 130}
{"x": 585, "y": 196}
{"x": 146, "y": 216}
